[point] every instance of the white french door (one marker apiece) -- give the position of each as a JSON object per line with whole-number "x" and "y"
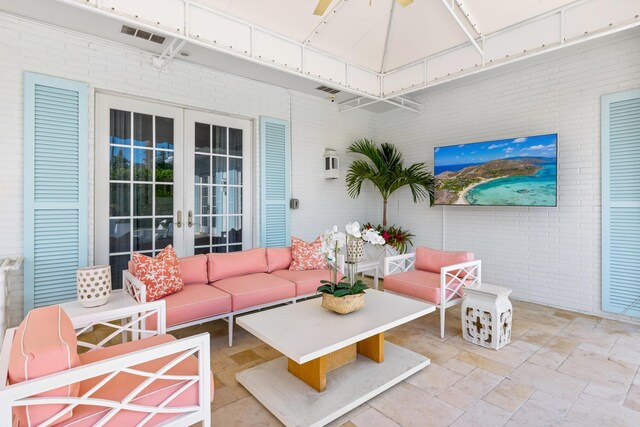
{"x": 167, "y": 175}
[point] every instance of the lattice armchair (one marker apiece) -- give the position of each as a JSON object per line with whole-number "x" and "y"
{"x": 149, "y": 381}
{"x": 435, "y": 276}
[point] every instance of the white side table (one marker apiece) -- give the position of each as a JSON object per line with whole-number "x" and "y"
{"x": 365, "y": 266}
{"x": 121, "y": 306}
{"x": 487, "y": 315}
{"x": 7, "y": 265}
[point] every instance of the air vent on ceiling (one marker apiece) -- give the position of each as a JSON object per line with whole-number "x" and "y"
{"x": 142, "y": 34}
{"x": 328, "y": 90}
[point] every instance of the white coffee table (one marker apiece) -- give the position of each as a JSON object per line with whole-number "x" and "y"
{"x": 335, "y": 363}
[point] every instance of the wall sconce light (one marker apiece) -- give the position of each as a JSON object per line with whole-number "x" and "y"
{"x": 331, "y": 164}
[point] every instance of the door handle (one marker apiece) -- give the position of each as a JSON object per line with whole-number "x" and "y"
{"x": 190, "y": 218}
{"x": 179, "y": 219}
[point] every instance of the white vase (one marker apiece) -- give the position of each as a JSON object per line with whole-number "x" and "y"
{"x": 94, "y": 285}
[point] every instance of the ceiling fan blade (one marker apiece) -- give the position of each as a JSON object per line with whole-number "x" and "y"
{"x": 404, "y": 2}
{"x": 322, "y": 6}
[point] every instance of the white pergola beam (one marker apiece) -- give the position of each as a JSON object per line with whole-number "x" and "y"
{"x": 463, "y": 27}
{"x": 397, "y": 101}
{"x": 161, "y": 62}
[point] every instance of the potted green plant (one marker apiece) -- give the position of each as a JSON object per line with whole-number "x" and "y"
{"x": 346, "y": 295}
{"x": 384, "y": 168}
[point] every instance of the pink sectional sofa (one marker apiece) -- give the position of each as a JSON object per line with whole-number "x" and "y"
{"x": 222, "y": 285}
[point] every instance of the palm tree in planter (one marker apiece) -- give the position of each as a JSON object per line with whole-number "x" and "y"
{"x": 384, "y": 167}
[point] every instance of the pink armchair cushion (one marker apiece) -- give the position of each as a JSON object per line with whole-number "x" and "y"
{"x": 278, "y": 258}
{"x": 416, "y": 283}
{"x": 194, "y": 269}
{"x": 195, "y": 301}
{"x": 44, "y": 343}
{"x": 433, "y": 260}
{"x": 256, "y": 289}
{"x": 222, "y": 266}
{"x": 122, "y": 384}
{"x": 307, "y": 281}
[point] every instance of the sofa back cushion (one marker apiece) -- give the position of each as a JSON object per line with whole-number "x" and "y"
{"x": 432, "y": 260}
{"x": 44, "y": 343}
{"x": 194, "y": 269}
{"x": 233, "y": 264}
{"x": 278, "y": 258}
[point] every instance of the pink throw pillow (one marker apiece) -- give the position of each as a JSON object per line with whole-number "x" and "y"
{"x": 161, "y": 275}
{"x": 307, "y": 256}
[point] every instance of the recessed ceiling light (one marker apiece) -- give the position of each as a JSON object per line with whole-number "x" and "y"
{"x": 184, "y": 53}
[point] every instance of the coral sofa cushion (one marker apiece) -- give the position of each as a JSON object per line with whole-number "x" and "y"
{"x": 307, "y": 256}
{"x": 256, "y": 289}
{"x": 44, "y": 343}
{"x": 307, "y": 282}
{"x": 161, "y": 275}
{"x": 432, "y": 260}
{"x": 194, "y": 269}
{"x": 195, "y": 301}
{"x": 278, "y": 258}
{"x": 223, "y": 266}
{"x": 420, "y": 284}
{"x": 123, "y": 383}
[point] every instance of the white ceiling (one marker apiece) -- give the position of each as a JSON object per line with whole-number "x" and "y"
{"x": 376, "y": 49}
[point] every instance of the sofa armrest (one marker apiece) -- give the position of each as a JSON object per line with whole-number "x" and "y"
{"x": 399, "y": 263}
{"x": 20, "y": 394}
{"x": 134, "y": 287}
{"x": 457, "y": 276}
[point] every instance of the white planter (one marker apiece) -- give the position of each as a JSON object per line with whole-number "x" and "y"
{"x": 94, "y": 285}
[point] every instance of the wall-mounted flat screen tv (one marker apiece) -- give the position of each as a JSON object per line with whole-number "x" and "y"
{"x": 506, "y": 172}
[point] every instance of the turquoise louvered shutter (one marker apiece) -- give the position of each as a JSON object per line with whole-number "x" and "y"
{"x": 275, "y": 182}
{"x": 621, "y": 203}
{"x": 55, "y": 188}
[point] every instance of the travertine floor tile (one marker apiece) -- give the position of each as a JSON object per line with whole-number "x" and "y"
{"x": 599, "y": 412}
{"x": 438, "y": 352}
{"x": 509, "y": 395}
{"x": 547, "y": 358}
{"x": 548, "y": 380}
{"x": 632, "y": 400}
{"x": 605, "y": 393}
{"x": 460, "y": 367}
{"x": 542, "y": 410}
{"x": 598, "y": 369}
{"x": 467, "y": 391}
{"x": 626, "y": 349}
{"x": 483, "y": 414}
{"x": 434, "y": 379}
{"x": 244, "y": 412}
{"x": 371, "y": 417}
{"x": 484, "y": 363}
{"x": 409, "y": 406}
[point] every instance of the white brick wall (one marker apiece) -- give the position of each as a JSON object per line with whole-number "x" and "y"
{"x": 547, "y": 255}
{"x": 315, "y": 123}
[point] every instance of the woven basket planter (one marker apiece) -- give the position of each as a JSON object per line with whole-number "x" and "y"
{"x": 343, "y": 305}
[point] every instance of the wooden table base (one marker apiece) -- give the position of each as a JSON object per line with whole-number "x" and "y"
{"x": 314, "y": 372}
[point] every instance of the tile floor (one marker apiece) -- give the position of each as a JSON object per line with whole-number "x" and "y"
{"x": 561, "y": 368}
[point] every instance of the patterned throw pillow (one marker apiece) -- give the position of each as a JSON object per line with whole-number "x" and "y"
{"x": 161, "y": 275}
{"x": 307, "y": 256}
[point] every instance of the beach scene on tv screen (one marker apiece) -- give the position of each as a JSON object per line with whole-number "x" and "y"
{"x": 507, "y": 172}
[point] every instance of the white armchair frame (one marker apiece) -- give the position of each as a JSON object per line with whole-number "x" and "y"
{"x": 453, "y": 278}
{"x": 20, "y": 394}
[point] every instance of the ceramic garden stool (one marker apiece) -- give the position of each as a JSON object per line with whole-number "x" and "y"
{"x": 486, "y": 315}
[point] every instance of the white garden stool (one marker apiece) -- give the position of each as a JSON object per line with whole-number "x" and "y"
{"x": 487, "y": 315}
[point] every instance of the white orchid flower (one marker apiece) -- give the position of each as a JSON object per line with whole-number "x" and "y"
{"x": 353, "y": 229}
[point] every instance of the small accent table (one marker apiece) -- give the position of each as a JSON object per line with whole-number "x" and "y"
{"x": 365, "y": 266}
{"x": 487, "y": 315}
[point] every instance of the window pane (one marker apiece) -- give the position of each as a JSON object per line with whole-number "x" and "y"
{"x": 235, "y": 200}
{"x": 202, "y": 169}
{"x": 142, "y": 130}
{"x": 120, "y": 164}
{"x": 201, "y": 231}
{"x": 120, "y": 127}
{"x": 119, "y": 235}
{"x": 119, "y": 201}
{"x": 203, "y": 138}
{"x": 201, "y": 205}
{"x": 235, "y": 142}
{"x": 219, "y": 249}
{"x": 142, "y": 234}
{"x": 218, "y": 200}
{"x": 235, "y": 248}
{"x": 205, "y": 250}
{"x": 143, "y": 166}
{"x": 235, "y": 229}
{"x": 118, "y": 263}
{"x": 164, "y": 133}
{"x": 164, "y": 166}
{"x": 218, "y": 233}
{"x": 235, "y": 171}
{"x": 219, "y": 170}
{"x": 219, "y": 140}
{"x": 143, "y": 196}
{"x": 164, "y": 232}
{"x": 164, "y": 200}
